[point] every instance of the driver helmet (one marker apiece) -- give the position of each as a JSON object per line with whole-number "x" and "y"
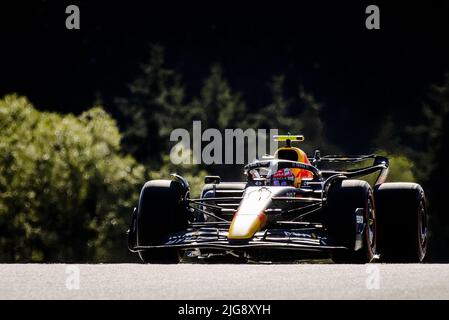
{"x": 283, "y": 177}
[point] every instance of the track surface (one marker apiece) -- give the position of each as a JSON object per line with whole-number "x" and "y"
{"x": 225, "y": 281}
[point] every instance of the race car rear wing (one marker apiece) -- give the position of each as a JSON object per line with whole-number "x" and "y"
{"x": 380, "y": 164}
{"x": 343, "y": 158}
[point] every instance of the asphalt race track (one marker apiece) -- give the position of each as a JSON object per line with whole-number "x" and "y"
{"x": 224, "y": 281}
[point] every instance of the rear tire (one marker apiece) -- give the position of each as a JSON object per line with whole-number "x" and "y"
{"x": 343, "y": 199}
{"x": 402, "y": 220}
{"x": 160, "y": 214}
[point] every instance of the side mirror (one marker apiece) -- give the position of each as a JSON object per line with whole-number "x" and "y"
{"x": 212, "y": 179}
{"x": 316, "y": 158}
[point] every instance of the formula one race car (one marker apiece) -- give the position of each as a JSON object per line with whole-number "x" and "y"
{"x": 288, "y": 205}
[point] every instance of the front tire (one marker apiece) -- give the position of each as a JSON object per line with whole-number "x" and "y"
{"x": 159, "y": 214}
{"x": 402, "y": 216}
{"x": 343, "y": 199}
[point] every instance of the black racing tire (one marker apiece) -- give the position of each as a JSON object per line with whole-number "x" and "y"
{"x": 343, "y": 199}
{"x": 159, "y": 214}
{"x": 402, "y": 222}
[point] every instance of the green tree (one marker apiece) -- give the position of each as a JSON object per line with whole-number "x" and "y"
{"x": 277, "y": 115}
{"x": 402, "y": 168}
{"x": 388, "y": 143}
{"x": 421, "y": 153}
{"x": 389, "y": 137}
{"x": 432, "y": 155}
{"x": 155, "y": 107}
{"x": 312, "y": 124}
{"x": 299, "y": 115}
{"x": 193, "y": 174}
{"x": 66, "y": 191}
{"x": 218, "y": 106}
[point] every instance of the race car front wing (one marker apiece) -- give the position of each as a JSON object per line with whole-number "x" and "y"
{"x": 216, "y": 238}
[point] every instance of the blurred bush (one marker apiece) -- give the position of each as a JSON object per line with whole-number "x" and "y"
{"x": 66, "y": 191}
{"x": 401, "y": 169}
{"x": 193, "y": 173}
